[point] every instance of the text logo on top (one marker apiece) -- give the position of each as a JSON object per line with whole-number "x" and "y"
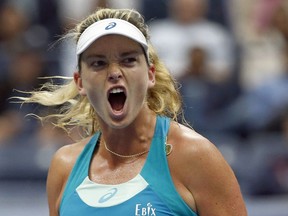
{"x": 142, "y": 210}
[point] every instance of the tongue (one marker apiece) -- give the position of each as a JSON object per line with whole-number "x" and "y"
{"x": 117, "y": 101}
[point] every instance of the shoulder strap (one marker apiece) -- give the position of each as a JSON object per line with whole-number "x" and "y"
{"x": 156, "y": 160}
{"x": 162, "y": 127}
{"x": 157, "y": 148}
{"x": 80, "y": 169}
{"x": 156, "y": 171}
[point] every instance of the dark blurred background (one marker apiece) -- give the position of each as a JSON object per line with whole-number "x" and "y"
{"x": 229, "y": 57}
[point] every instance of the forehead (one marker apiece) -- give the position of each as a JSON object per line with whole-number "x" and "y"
{"x": 114, "y": 42}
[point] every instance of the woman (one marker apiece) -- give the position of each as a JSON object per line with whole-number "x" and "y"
{"x": 136, "y": 159}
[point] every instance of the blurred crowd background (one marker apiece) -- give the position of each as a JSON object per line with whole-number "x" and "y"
{"x": 229, "y": 57}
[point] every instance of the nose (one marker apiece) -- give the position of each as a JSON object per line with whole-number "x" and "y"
{"x": 114, "y": 76}
{"x": 114, "y": 73}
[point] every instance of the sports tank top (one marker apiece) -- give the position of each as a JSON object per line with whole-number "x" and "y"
{"x": 150, "y": 193}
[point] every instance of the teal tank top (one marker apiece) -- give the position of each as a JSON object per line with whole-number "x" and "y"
{"x": 150, "y": 193}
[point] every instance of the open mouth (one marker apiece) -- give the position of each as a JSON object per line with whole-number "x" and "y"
{"x": 117, "y": 98}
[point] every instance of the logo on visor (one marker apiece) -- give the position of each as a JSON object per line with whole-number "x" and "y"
{"x": 110, "y": 25}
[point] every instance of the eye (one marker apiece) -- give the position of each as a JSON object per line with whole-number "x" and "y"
{"x": 129, "y": 61}
{"x": 98, "y": 64}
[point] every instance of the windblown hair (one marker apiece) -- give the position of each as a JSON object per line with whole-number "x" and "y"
{"x": 76, "y": 111}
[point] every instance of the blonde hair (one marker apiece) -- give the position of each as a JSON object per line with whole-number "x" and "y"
{"x": 76, "y": 111}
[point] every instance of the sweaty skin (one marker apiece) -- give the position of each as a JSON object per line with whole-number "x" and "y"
{"x": 200, "y": 174}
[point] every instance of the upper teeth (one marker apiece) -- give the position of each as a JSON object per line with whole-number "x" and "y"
{"x": 116, "y": 90}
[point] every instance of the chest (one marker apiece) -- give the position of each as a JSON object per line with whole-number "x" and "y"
{"x": 107, "y": 172}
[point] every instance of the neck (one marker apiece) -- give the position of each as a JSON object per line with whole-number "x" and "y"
{"x": 135, "y": 155}
{"x": 134, "y": 139}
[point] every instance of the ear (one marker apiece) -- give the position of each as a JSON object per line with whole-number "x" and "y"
{"x": 79, "y": 84}
{"x": 151, "y": 76}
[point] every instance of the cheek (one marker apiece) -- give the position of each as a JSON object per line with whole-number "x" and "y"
{"x": 96, "y": 100}
{"x": 140, "y": 88}
{"x": 91, "y": 81}
{"x": 92, "y": 89}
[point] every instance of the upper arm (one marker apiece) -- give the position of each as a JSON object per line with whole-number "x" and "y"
{"x": 57, "y": 176}
{"x": 212, "y": 182}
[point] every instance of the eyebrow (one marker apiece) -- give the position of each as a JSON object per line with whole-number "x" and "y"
{"x": 122, "y": 55}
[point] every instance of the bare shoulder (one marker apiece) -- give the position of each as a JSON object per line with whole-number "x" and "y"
{"x": 65, "y": 157}
{"x": 60, "y": 168}
{"x": 193, "y": 152}
{"x": 187, "y": 141}
{"x": 201, "y": 168}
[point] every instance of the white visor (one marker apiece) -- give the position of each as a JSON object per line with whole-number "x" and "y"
{"x": 107, "y": 27}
